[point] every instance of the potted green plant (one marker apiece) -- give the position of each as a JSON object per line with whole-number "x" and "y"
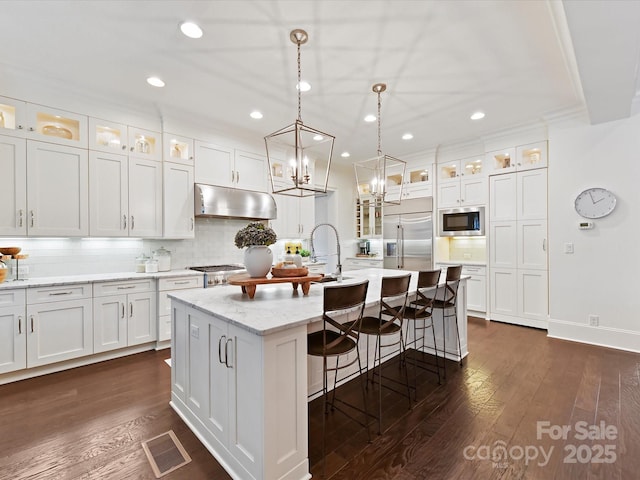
{"x": 258, "y": 257}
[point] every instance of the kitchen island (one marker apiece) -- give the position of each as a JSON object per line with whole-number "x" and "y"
{"x": 240, "y": 374}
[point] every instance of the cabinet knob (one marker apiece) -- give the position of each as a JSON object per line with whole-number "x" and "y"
{"x": 20, "y": 127}
{"x": 124, "y": 147}
{"x": 31, "y": 129}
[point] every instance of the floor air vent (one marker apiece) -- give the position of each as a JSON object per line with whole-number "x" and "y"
{"x": 165, "y": 453}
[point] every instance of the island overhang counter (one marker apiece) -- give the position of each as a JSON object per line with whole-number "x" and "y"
{"x": 240, "y": 374}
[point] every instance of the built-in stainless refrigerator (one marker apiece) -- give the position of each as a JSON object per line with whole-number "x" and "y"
{"x": 407, "y": 231}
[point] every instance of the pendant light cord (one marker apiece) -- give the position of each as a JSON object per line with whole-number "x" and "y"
{"x": 379, "y": 122}
{"x": 299, "y": 88}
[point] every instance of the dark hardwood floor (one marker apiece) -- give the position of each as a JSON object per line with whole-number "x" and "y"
{"x": 87, "y": 423}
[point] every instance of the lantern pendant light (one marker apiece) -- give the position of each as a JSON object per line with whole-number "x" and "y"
{"x": 299, "y": 156}
{"x": 376, "y": 175}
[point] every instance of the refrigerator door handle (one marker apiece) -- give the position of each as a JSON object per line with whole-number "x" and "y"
{"x": 398, "y": 245}
{"x": 401, "y": 246}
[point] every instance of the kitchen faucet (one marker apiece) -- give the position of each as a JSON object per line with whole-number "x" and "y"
{"x": 338, "y": 273}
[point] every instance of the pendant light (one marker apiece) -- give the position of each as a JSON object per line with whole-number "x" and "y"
{"x": 375, "y": 176}
{"x": 299, "y": 156}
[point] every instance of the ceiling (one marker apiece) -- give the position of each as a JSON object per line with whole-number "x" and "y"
{"x": 520, "y": 62}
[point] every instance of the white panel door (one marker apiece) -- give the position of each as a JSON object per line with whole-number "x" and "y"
{"x": 250, "y": 171}
{"x": 179, "y": 350}
{"x": 13, "y": 339}
{"x": 504, "y": 291}
{"x": 109, "y": 323}
{"x": 59, "y": 331}
{"x": 473, "y": 190}
{"x": 145, "y": 198}
{"x": 143, "y": 321}
{"x": 213, "y": 164}
{"x": 57, "y": 190}
{"x": 502, "y": 202}
{"x": 503, "y": 245}
{"x": 532, "y": 194}
{"x": 199, "y": 356}
{"x": 477, "y": 293}
{"x": 533, "y": 295}
{"x": 178, "y": 201}
{"x": 220, "y": 347}
{"x": 108, "y": 195}
{"x": 13, "y": 194}
{"x": 532, "y": 244}
{"x": 449, "y": 194}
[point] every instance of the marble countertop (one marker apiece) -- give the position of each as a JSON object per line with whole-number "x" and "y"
{"x": 92, "y": 277}
{"x": 276, "y": 307}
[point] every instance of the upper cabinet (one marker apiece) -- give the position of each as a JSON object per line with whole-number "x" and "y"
{"x": 523, "y": 157}
{"x": 462, "y": 183}
{"x": 218, "y": 165}
{"x": 178, "y": 149}
{"x": 111, "y": 137}
{"x": 417, "y": 183}
{"x": 13, "y": 194}
{"x": 37, "y": 122}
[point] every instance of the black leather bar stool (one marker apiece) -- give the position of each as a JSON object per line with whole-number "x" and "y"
{"x": 419, "y": 313}
{"x": 338, "y": 339}
{"x": 393, "y": 300}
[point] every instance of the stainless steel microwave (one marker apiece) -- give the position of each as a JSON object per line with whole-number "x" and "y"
{"x": 463, "y": 222}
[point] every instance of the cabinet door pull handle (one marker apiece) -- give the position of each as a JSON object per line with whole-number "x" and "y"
{"x": 53, "y": 294}
{"x": 220, "y": 348}
{"x": 128, "y": 287}
{"x": 237, "y": 177}
{"x": 20, "y": 217}
{"x": 122, "y": 316}
{"x": 544, "y": 244}
{"x": 233, "y": 176}
{"x": 124, "y": 222}
{"x": 181, "y": 283}
{"x": 131, "y": 309}
{"x": 226, "y": 352}
{"x": 192, "y": 225}
{"x": 31, "y": 323}
{"x": 19, "y": 325}
{"x": 32, "y": 217}
{"x": 132, "y": 223}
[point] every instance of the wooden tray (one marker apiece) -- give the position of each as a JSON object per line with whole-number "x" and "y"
{"x": 289, "y": 272}
{"x": 249, "y": 284}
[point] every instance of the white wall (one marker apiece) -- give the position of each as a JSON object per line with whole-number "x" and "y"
{"x": 600, "y": 278}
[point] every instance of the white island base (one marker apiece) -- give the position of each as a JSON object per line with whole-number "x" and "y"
{"x": 241, "y": 377}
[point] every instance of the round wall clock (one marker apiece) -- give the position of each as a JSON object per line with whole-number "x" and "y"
{"x": 595, "y": 202}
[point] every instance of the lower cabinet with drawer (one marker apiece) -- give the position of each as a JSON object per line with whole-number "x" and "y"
{"x": 476, "y": 285}
{"x": 124, "y": 314}
{"x": 360, "y": 263}
{"x": 59, "y": 323}
{"x": 165, "y": 286}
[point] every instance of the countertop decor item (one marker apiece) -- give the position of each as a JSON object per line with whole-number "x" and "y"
{"x": 310, "y": 150}
{"x": 249, "y": 284}
{"x": 258, "y": 257}
{"x": 289, "y": 272}
{"x": 10, "y": 250}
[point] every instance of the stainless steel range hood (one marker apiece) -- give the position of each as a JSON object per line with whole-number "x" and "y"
{"x": 225, "y": 202}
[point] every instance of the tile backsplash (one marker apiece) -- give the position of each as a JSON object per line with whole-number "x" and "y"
{"x": 213, "y": 244}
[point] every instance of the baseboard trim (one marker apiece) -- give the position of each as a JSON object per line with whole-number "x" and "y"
{"x": 600, "y": 336}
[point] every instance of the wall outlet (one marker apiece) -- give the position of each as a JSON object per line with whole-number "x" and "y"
{"x": 594, "y": 320}
{"x": 195, "y": 331}
{"x": 568, "y": 248}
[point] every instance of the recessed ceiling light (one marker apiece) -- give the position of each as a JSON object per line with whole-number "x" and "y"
{"x": 317, "y": 138}
{"x": 345, "y": 154}
{"x": 256, "y": 114}
{"x": 407, "y": 136}
{"x": 303, "y": 86}
{"x": 477, "y": 115}
{"x": 191, "y": 30}
{"x": 155, "y": 81}
{"x": 370, "y": 118}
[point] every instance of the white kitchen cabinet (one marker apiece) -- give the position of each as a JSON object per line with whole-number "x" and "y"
{"x": 178, "y": 181}
{"x": 126, "y": 196}
{"x": 145, "y": 144}
{"x": 13, "y": 330}
{"x": 417, "y": 183}
{"x": 59, "y": 323}
{"x": 13, "y": 117}
{"x": 168, "y": 285}
{"x": 57, "y": 190}
{"x": 368, "y": 218}
{"x": 476, "y": 285}
{"x": 56, "y": 126}
{"x": 218, "y": 165}
{"x": 112, "y": 137}
{"x": 350, "y": 264}
{"x": 13, "y": 195}
{"x": 515, "y": 159}
{"x": 462, "y": 183}
{"x": 178, "y": 149}
{"x": 518, "y": 247}
{"x": 124, "y": 314}
{"x": 222, "y": 382}
{"x": 296, "y": 216}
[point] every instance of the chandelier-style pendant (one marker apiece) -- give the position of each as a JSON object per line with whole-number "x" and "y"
{"x": 299, "y": 156}
{"x": 380, "y": 178}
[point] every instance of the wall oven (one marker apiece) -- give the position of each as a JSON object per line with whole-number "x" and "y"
{"x": 463, "y": 222}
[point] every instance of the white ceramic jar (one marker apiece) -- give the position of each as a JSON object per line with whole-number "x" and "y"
{"x": 163, "y": 257}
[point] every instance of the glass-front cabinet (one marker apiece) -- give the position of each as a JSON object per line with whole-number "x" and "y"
{"x": 178, "y": 149}
{"x": 12, "y": 117}
{"x": 454, "y": 170}
{"x": 515, "y": 159}
{"x": 56, "y": 126}
{"x": 368, "y": 218}
{"x": 107, "y": 136}
{"x": 145, "y": 143}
